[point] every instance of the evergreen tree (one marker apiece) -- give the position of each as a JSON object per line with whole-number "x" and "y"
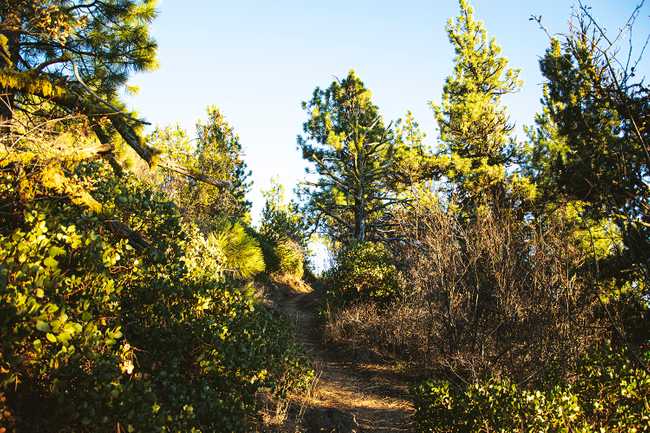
{"x": 283, "y": 233}
{"x": 175, "y": 143}
{"x": 280, "y": 218}
{"x": 589, "y": 150}
{"x": 414, "y": 160}
{"x": 62, "y": 57}
{"x": 474, "y": 128}
{"x": 354, "y": 155}
{"x": 217, "y": 154}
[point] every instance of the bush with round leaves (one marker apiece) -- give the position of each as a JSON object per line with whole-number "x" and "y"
{"x": 115, "y": 317}
{"x": 608, "y": 393}
{"x": 364, "y": 270}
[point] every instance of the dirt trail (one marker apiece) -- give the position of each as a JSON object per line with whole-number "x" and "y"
{"x": 371, "y": 392}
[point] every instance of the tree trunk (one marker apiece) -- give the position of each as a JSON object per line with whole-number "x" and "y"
{"x": 359, "y": 223}
{"x": 360, "y": 199}
{"x": 360, "y": 217}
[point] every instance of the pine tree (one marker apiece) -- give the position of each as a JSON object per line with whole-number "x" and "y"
{"x": 62, "y": 57}
{"x": 475, "y": 132}
{"x": 588, "y": 151}
{"x": 414, "y": 161}
{"x": 216, "y": 153}
{"x": 280, "y": 217}
{"x": 353, "y": 153}
{"x": 175, "y": 143}
{"x": 219, "y": 156}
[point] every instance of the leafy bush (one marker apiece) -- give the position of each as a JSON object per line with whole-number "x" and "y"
{"x": 282, "y": 235}
{"x": 290, "y": 258}
{"x": 609, "y": 393}
{"x": 114, "y": 317}
{"x": 364, "y": 270}
{"x": 242, "y": 253}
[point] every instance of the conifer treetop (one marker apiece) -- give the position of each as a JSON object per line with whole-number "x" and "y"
{"x": 472, "y": 121}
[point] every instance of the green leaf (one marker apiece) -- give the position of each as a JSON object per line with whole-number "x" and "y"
{"x": 51, "y": 338}
{"x": 55, "y": 251}
{"x": 42, "y": 326}
{"x": 50, "y": 262}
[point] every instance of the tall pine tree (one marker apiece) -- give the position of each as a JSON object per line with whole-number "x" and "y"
{"x": 355, "y": 157}
{"x": 219, "y": 156}
{"x": 475, "y": 133}
{"x": 62, "y": 57}
{"x": 590, "y": 151}
{"x": 216, "y": 153}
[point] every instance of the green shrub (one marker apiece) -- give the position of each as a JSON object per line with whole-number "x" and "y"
{"x": 242, "y": 253}
{"x": 363, "y": 270}
{"x": 114, "y": 317}
{"x": 290, "y": 258}
{"x": 283, "y": 257}
{"x": 609, "y": 393}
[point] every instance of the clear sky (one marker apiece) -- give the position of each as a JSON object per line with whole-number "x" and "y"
{"x": 257, "y": 60}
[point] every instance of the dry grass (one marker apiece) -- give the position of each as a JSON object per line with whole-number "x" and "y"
{"x": 371, "y": 331}
{"x": 285, "y": 415}
{"x": 290, "y": 283}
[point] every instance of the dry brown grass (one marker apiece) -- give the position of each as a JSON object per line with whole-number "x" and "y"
{"x": 370, "y": 330}
{"x": 290, "y": 283}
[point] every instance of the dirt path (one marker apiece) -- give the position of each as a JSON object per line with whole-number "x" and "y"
{"x": 349, "y": 395}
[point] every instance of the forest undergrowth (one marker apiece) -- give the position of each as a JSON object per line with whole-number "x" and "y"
{"x": 490, "y": 282}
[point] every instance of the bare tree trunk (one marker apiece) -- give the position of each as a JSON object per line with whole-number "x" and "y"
{"x": 360, "y": 204}
{"x": 360, "y": 218}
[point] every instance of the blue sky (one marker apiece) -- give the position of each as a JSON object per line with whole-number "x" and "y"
{"x": 257, "y": 60}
